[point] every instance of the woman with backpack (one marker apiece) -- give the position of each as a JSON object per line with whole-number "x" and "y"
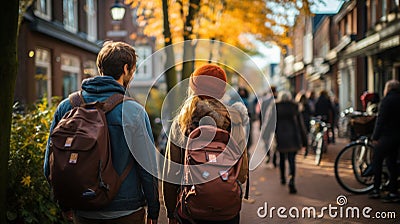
{"x": 290, "y": 135}
{"x": 204, "y": 108}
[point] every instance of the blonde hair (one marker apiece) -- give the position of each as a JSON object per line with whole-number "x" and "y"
{"x": 301, "y": 99}
{"x": 184, "y": 118}
{"x": 194, "y": 108}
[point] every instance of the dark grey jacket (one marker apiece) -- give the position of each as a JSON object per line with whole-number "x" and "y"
{"x": 290, "y": 132}
{"x": 388, "y": 121}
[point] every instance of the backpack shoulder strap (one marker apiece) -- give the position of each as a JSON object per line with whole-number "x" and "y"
{"x": 114, "y": 100}
{"x": 125, "y": 173}
{"x": 76, "y": 99}
{"x": 246, "y": 194}
{"x": 109, "y": 104}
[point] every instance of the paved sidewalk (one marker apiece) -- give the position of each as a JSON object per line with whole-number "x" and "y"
{"x": 316, "y": 186}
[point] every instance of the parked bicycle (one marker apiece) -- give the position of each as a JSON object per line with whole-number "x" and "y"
{"x": 319, "y": 138}
{"x": 353, "y": 170}
{"x": 344, "y": 123}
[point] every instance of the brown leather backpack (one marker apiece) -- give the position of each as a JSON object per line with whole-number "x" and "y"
{"x": 82, "y": 175}
{"x": 210, "y": 189}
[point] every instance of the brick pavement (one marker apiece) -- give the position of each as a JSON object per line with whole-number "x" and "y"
{"x": 316, "y": 185}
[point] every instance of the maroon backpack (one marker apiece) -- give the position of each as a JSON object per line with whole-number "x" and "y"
{"x": 82, "y": 175}
{"x": 210, "y": 189}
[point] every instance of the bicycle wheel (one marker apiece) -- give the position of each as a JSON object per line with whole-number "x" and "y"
{"x": 310, "y": 147}
{"x": 349, "y": 166}
{"x": 362, "y": 159}
{"x": 319, "y": 149}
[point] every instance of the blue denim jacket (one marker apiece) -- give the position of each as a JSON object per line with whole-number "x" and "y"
{"x": 128, "y": 124}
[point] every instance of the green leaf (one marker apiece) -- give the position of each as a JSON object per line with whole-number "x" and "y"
{"x": 11, "y": 216}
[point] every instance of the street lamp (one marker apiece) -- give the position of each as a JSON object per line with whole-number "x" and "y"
{"x": 117, "y": 11}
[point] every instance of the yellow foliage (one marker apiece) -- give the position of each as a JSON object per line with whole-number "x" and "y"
{"x": 26, "y": 181}
{"x": 223, "y": 20}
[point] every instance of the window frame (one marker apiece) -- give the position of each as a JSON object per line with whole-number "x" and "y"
{"x": 384, "y": 10}
{"x": 70, "y": 27}
{"x": 71, "y": 68}
{"x": 91, "y": 16}
{"x": 47, "y": 65}
{"x": 145, "y": 71}
{"x": 44, "y": 15}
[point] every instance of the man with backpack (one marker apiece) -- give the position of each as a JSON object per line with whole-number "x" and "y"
{"x": 119, "y": 186}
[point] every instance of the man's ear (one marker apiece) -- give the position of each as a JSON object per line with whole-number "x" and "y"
{"x": 126, "y": 70}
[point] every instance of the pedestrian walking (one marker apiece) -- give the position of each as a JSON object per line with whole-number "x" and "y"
{"x": 336, "y": 113}
{"x": 256, "y": 109}
{"x": 290, "y": 136}
{"x": 324, "y": 108}
{"x": 116, "y": 63}
{"x": 304, "y": 108}
{"x": 203, "y": 107}
{"x": 267, "y": 111}
{"x": 243, "y": 97}
{"x": 311, "y": 101}
{"x": 387, "y": 142}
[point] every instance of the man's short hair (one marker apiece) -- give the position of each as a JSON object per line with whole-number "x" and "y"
{"x": 112, "y": 58}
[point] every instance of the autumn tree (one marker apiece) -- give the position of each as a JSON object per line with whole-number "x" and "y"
{"x": 8, "y": 76}
{"x": 229, "y": 21}
{"x": 11, "y": 14}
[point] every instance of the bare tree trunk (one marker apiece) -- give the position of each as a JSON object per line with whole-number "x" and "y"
{"x": 189, "y": 46}
{"x": 171, "y": 78}
{"x": 188, "y": 59}
{"x": 8, "y": 76}
{"x": 170, "y": 73}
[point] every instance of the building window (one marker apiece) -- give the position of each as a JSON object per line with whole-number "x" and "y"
{"x": 384, "y": 10}
{"x": 42, "y": 73}
{"x": 70, "y": 10}
{"x": 43, "y": 9}
{"x": 91, "y": 9}
{"x": 70, "y": 67}
{"x": 373, "y": 13}
{"x": 144, "y": 69}
{"x": 89, "y": 69}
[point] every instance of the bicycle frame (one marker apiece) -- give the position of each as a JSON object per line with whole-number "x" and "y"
{"x": 319, "y": 137}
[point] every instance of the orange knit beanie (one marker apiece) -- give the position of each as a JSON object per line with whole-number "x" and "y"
{"x": 208, "y": 80}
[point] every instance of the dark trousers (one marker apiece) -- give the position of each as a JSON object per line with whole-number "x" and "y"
{"x": 235, "y": 220}
{"x": 291, "y": 156}
{"x": 273, "y": 157}
{"x": 332, "y": 130}
{"x": 387, "y": 148}
{"x": 136, "y": 217}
